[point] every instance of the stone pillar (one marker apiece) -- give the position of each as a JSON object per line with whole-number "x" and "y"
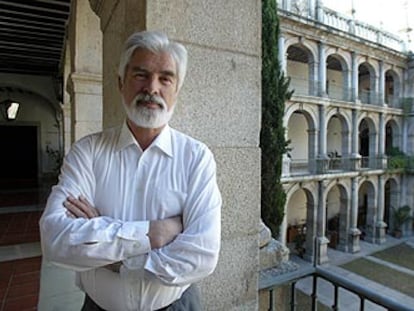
{"x": 319, "y": 11}
{"x": 313, "y": 78}
{"x": 371, "y": 217}
{"x": 282, "y": 53}
{"x": 286, "y": 4}
{"x": 354, "y": 232}
{"x": 322, "y": 70}
{"x": 311, "y": 230}
{"x": 85, "y": 79}
{"x": 382, "y": 159}
{"x": 67, "y": 103}
{"x": 374, "y": 98}
{"x": 322, "y": 241}
{"x": 313, "y": 138}
{"x": 344, "y": 221}
{"x": 381, "y": 88}
{"x": 355, "y": 82}
{"x": 347, "y": 85}
{"x": 322, "y": 157}
{"x": 224, "y": 71}
{"x": 312, "y": 9}
{"x": 286, "y": 159}
{"x": 380, "y": 224}
{"x": 355, "y": 156}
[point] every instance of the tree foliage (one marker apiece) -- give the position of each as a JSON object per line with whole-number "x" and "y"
{"x": 272, "y": 139}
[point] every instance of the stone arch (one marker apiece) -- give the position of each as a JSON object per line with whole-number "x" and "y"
{"x": 337, "y": 215}
{"x": 338, "y": 78}
{"x": 392, "y": 88}
{"x": 391, "y": 200}
{"x": 306, "y": 193}
{"x": 338, "y": 139}
{"x": 367, "y": 83}
{"x": 367, "y": 142}
{"x": 302, "y": 135}
{"x": 301, "y": 66}
{"x": 367, "y": 209}
{"x": 392, "y": 137}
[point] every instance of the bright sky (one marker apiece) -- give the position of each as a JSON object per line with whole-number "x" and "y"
{"x": 395, "y": 16}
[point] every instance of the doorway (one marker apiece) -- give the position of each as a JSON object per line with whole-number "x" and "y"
{"x": 18, "y": 156}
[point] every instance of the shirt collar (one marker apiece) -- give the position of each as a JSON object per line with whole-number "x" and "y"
{"x": 162, "y": 141}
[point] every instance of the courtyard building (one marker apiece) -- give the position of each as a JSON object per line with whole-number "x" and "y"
{"x": 349, "y": 125}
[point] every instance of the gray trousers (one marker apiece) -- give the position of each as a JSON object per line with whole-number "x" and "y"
{"x": 189, "y": 301}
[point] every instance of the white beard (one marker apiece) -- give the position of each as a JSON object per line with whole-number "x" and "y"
{"x": 146, "y": 117}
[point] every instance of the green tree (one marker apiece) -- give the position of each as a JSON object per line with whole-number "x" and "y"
{"x": 272, "y": 139}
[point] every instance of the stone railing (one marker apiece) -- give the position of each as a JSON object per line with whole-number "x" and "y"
{"x": 342, "y": 22}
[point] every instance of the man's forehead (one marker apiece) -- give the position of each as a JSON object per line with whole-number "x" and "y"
{"x": 148, "y": 60}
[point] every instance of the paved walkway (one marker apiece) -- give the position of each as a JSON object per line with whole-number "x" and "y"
{"x": 347, "y": 300}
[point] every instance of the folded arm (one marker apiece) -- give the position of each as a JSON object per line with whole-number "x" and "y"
{"x": 76, "y": 236}
{"x": 194, "y": 253}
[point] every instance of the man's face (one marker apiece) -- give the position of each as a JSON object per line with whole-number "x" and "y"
{"x": 149, "y": 90}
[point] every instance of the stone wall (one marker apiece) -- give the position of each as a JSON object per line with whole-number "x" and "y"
{"x": 220, "y": 104}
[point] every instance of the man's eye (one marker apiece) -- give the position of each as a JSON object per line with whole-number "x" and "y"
{"x": 166, "y": 80}
{"x": 140, "y": 75}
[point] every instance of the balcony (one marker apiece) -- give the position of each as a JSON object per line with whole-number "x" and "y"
{"x": 339, "y": 283}
{"x": 338, "y": 164}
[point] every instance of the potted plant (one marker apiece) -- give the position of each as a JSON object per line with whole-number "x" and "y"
{"x": 400, "y": 215}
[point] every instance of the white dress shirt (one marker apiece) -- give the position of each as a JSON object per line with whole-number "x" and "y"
{"x": 175, "y": 175}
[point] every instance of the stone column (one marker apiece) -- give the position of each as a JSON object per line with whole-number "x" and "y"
{"x": 313, "y": 78}
{"x": 355, "y": 82}
{"x": 285, "y": 158}
{"x": 282, "y": 53}
{"x": 313, "y": 152}
{"x": 85, "y": 79}
{"x": 380, "y": 224}
{"x": 322, "y": 70}
{"x": 381, "y": 88}
{"x": 319, "y": 11}
{"x": 354, "y": 232}
{"x": 286, "y": 4}
{"x": 355, "y": 156}
{"x": 312, "y": 9}
{"x": 222, "y": 87}
{"x": 347, "y": 85}
{"x": 382, "y": 159}
{"x": 322, "y": 241}
{"x": 322, "y": 157}
{"x": 311, "y": 230}
{"x": 344, "y": 222}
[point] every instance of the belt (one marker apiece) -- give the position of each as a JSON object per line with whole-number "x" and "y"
{"x": 89, "y": 304}
{"x": 114, "y": 267}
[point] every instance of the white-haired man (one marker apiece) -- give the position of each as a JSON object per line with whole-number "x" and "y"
{"x": 136, "y": 211}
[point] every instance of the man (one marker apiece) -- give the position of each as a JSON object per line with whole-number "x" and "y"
{"x": 136, "y": 211}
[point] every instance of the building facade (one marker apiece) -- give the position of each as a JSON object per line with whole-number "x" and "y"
{"x": 349, "y": 125}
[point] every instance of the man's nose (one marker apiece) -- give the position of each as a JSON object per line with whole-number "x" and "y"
{"x": 152, "y": 86}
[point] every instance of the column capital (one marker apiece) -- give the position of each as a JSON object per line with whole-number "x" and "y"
{"x": 103, "y": 9}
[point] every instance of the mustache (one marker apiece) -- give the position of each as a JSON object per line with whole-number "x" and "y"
{"x": 142, "y": 98}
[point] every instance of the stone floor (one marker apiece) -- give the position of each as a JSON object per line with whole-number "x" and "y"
{"x": 20, "y": 254}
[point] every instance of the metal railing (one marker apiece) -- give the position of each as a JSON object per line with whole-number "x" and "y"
{"x": 362, "y": 292}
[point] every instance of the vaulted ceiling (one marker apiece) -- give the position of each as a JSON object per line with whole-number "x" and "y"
{"x": 32, "y": 35}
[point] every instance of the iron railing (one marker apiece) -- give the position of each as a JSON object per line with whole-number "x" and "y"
{"x": 363, "y": 293}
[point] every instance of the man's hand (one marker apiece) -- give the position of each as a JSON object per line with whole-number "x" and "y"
{"x": 162, "y": 232}
{"x": 80, "y": 207}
